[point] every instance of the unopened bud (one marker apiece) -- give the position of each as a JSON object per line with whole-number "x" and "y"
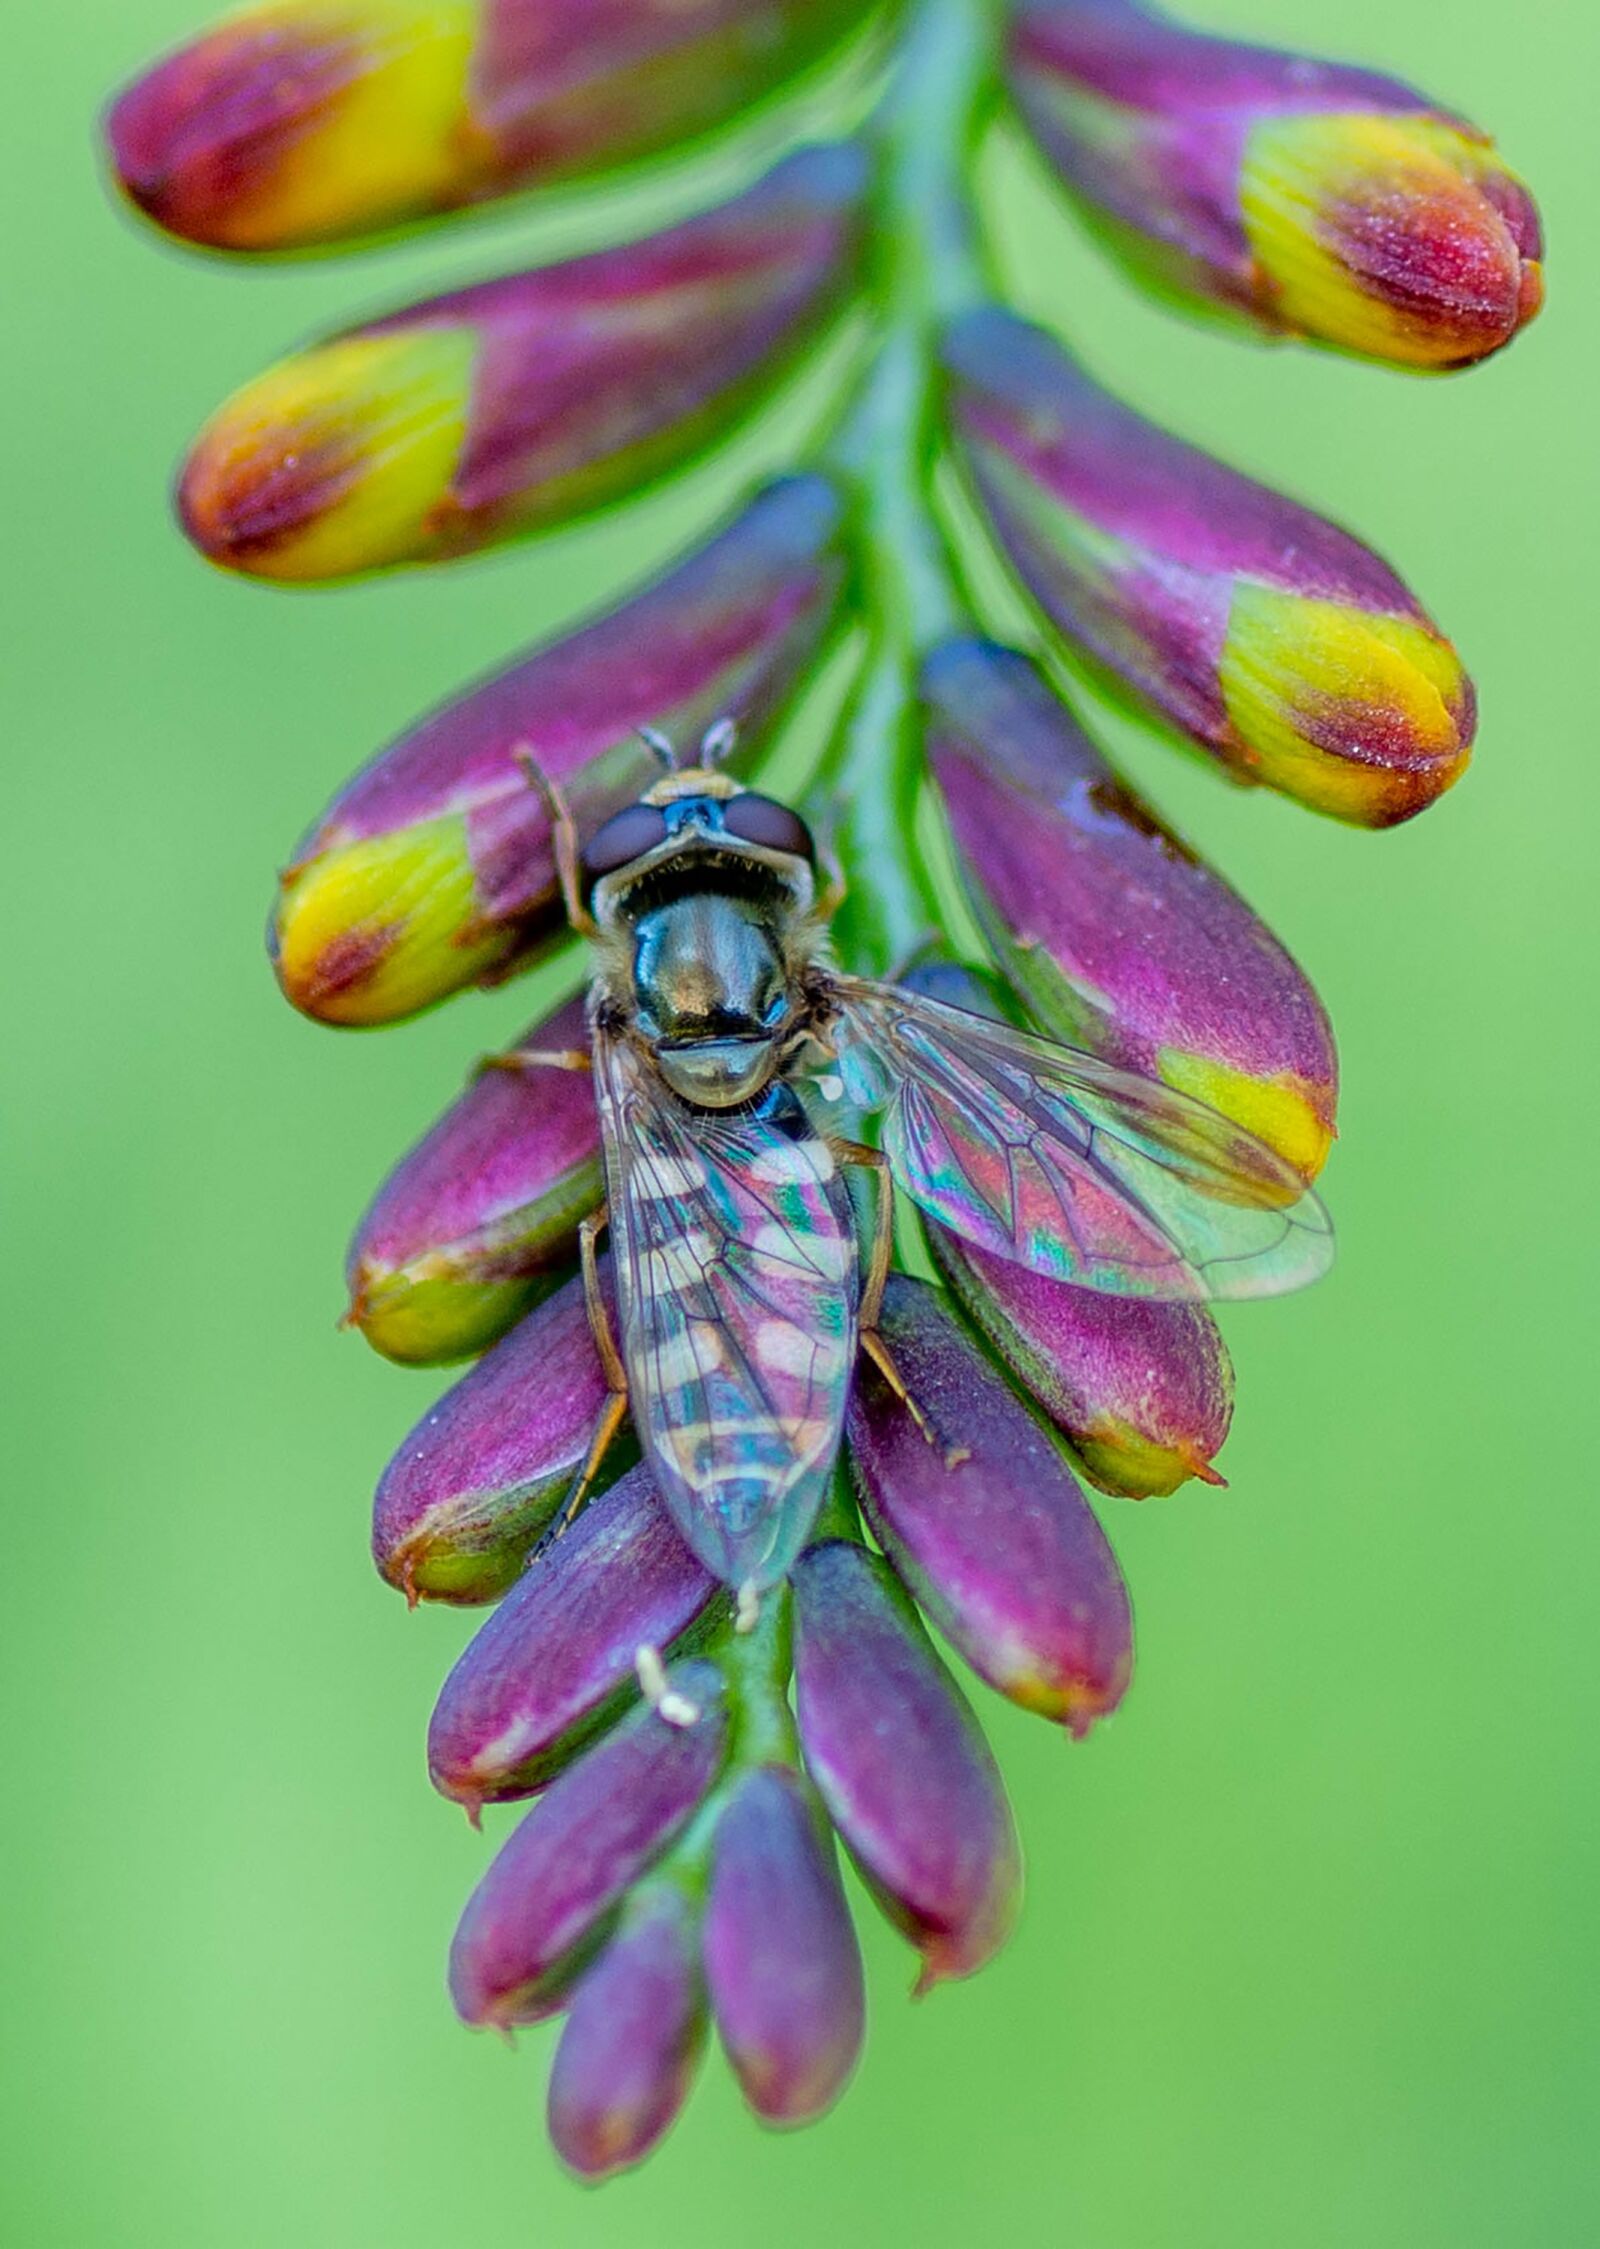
{"x": 986, "y": 1524}
{"x": 557, "y": 1659}
{"x": 901, "y": 1763}
{"x": 434, "y": 868}
{"x": 554, "y": 1884}
{"x": 781, "y": 1959}
{"x": 1260, "y": 631}
{"x": 1314, "y": 199}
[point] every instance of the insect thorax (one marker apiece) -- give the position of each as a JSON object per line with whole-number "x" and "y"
{"x": 710, "y": 986}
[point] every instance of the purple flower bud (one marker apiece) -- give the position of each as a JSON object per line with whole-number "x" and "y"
{"x": 1314, "y": 199}
{"x": 956, "y": 983}
{"x": 1119, "y": 938}
{"x": 1264, "y": 633}
{"x": 987, "y": 1525}
{"x": 781, "y": 1958}
{"x": 433, "y": 869}
{"x": 487, "y": 1468}
{"x": 555, "y": 1662}
{"x": 632, "y": 2039}
{"x": 308, "y": 121}
{"x": 1143, "y": 1392}
{"x": 521, "y": 403}
{"x": 901, "y": 1763}
{"x": 554, "y": 1884}
{"x": 471, "y": 1225}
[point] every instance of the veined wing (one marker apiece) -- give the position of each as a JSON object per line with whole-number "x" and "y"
{"x": 1085, "y": 1172}
{"x": 734, "y": 1249}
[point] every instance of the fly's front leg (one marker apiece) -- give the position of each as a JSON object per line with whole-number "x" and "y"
{"x": 835, "y": 891}
{"x": 614, "y": 1412}
{"x": 564, "y": 841}
{"x": 526, "y": 1059}
{"x": 878, "y": 1262}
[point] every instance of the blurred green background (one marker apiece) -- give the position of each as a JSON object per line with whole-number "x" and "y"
{"x": 1308, "y": 1955}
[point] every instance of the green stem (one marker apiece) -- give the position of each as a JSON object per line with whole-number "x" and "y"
{"x": 840, "y": 1517}
{"x": 928, "y": 262}
{"x": 756, "y": 1666}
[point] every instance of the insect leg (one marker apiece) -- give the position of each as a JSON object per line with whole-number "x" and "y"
{"x": 595, "y": 1304}
{"x": 564, "y": 839}
{"x": 878, "y": 1262}
{"x": 614, "y": 1412}
{"x": 518, "y": 1059}
{"x": 836, "y": 889}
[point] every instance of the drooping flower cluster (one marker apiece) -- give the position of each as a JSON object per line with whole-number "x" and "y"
{"x": 692, "y": 1779}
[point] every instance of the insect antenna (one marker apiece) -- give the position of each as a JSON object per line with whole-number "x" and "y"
{"x": 718, "y": 741}
{"x": 659, "y": 743}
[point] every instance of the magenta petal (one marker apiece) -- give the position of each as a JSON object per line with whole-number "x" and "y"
{"x": 1307, "y": 197}
{"x": 565, "y": 89}
{"x": 1118, "y": 936}
{"x": 781, "y": 1958}
{"x": 728, "y": 632}
{"x": 901, "y": 1763}
{"x": 1265, "y": 634}
{"x": 1019, "y": 394}
{"x": 632, "y": 2040}
{"x": 487, "y": 1468}
{"x": 556, "y": 1660}
{"x": 1143, "y": 1392}
{"x": 1146, "y": 121}
{"x": 597, "y": 374}
{"x": 522, "y": 403}
{"x": 555, "y": 1882}
{"x": 483, "y": 1213}
{"x": 311, "y": 122}
{"x": 987, "y": 1525}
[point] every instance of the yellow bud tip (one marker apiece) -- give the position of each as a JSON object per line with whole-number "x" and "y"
{"x": 1289, "y": 1114}
{"x": 1122, "y": 1462}
{"x": 337, "y": 461}
{"x": 303, "y": 121}
{"x": 1365, "y": 716}
{"x": 372, "y": 930}
{"x": 1399, "y": 237}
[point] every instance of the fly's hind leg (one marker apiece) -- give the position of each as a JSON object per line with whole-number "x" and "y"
{"x": 877, "y": 1279}
{"x": 564, "y": 842}
{"x": 614, "y": 1412}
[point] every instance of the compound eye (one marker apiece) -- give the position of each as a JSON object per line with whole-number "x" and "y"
{"x": 764, "y": 821}
{"x": 626, "y": 836}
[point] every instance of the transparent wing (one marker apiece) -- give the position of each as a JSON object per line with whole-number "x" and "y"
{"x": 1088, "y": 1173}
{"x": 737, "y": 1283}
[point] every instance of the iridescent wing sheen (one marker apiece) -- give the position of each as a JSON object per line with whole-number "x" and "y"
{"x": 737, "y": 1282}
{"x": 1088, "y": 1173}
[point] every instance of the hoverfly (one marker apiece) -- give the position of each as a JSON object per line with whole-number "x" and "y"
{"x": 723, "y": 1040}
